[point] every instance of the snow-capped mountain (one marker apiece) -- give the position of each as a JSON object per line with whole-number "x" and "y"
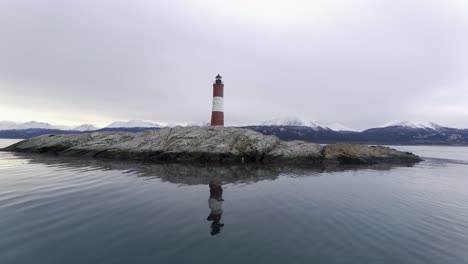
{"x": 34, "y": 124}
{"x": 340, "y": 127}
{"x": 407, "y": 132}
{"x": 415, "y": 125}
{"x": 285, "y": 121}
{"x": 290, "y": 128}
{"x": 132, "y": 123}
{"x": 7, "y": 125}
{"x": 398, "y": 132}
{"x": 86, "y": 127}
{"x": 4, "y": 125}
{"x": 293, "y": 121}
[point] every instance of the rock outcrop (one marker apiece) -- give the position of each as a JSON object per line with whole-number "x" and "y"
{"x": 363, "y": 154}
{"x": 207, "y": 144}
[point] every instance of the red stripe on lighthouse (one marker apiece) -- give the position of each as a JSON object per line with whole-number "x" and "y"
{"x": 217, "y": 114}
{"x": 217, "y": 118}
{"x": 218, "y": 90}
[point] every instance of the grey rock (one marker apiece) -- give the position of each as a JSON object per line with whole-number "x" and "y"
{"x": 206, "y": 144}
{"x": 364, "y": 154}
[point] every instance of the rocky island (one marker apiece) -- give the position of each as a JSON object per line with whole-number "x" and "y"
{"x": 208, "y": 144}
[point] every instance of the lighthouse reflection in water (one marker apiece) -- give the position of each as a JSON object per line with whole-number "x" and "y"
{"x": 215, "y": 203}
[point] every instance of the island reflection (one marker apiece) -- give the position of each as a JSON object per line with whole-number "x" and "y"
{"x": 194, "y": 173}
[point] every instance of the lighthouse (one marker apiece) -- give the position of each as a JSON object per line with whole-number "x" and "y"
{"x": 217, "y": 114}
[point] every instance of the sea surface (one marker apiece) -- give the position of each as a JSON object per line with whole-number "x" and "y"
{"x": 65, "y": 210}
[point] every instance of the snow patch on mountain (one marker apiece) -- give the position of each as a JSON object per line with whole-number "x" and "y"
{"x": 8, "y": 125}
{"x": 286, "y": 121}
{"x": 293, "y": 121}
{"x": 34, "y": 124}
{"x": 132, "y": 123}
{"x": 86, "y": 127}
{"x": 416, "y": 125}
{"x": 340, "y": 127}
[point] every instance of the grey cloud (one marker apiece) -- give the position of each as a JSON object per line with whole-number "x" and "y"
{"x": 156, "y": 61}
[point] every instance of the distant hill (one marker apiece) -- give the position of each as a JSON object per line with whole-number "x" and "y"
{"x": 126, "y": 129}
{"x": 86, "y": 127}
{"x": 404, "y": 133}
{"x": 34, "y": 132}
{"x": 398, "y": 134}
{"x": 133, "y": 123}
{"x": 31, "y": 132}
{"x": 299, "y": 122}
{"x": 7, "y": 125}
{"x": 315, "y": 134}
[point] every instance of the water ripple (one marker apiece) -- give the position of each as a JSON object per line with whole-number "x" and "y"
{"x": 61, "y": 211}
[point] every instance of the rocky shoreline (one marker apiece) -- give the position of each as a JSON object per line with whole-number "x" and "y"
{"x": 207, "y": 144}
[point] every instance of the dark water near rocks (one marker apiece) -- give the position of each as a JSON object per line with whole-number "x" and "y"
{"x": 55, "y": 210}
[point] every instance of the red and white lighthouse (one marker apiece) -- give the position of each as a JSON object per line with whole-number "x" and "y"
{"x": 217, "y": 115}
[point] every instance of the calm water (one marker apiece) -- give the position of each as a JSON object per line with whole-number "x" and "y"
{"x": 55, "y": 210}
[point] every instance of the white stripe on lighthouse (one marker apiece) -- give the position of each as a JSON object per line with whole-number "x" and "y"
{"x": 218, "y": 104}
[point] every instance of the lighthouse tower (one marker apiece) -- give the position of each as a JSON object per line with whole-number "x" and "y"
{"x": 217, "y": 115}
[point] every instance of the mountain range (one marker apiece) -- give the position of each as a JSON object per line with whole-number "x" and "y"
{"x": 291, "y": 128}
{"x": 299, "y": 122}
{"x": 9, "y": 125}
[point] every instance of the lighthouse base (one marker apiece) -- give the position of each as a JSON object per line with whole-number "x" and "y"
{"x": 217, "y": 118}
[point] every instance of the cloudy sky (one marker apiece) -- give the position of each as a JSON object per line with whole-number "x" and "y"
{"x": 362, "y": 62}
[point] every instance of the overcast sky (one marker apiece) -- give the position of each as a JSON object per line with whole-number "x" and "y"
{"x": 362, "y": 63}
